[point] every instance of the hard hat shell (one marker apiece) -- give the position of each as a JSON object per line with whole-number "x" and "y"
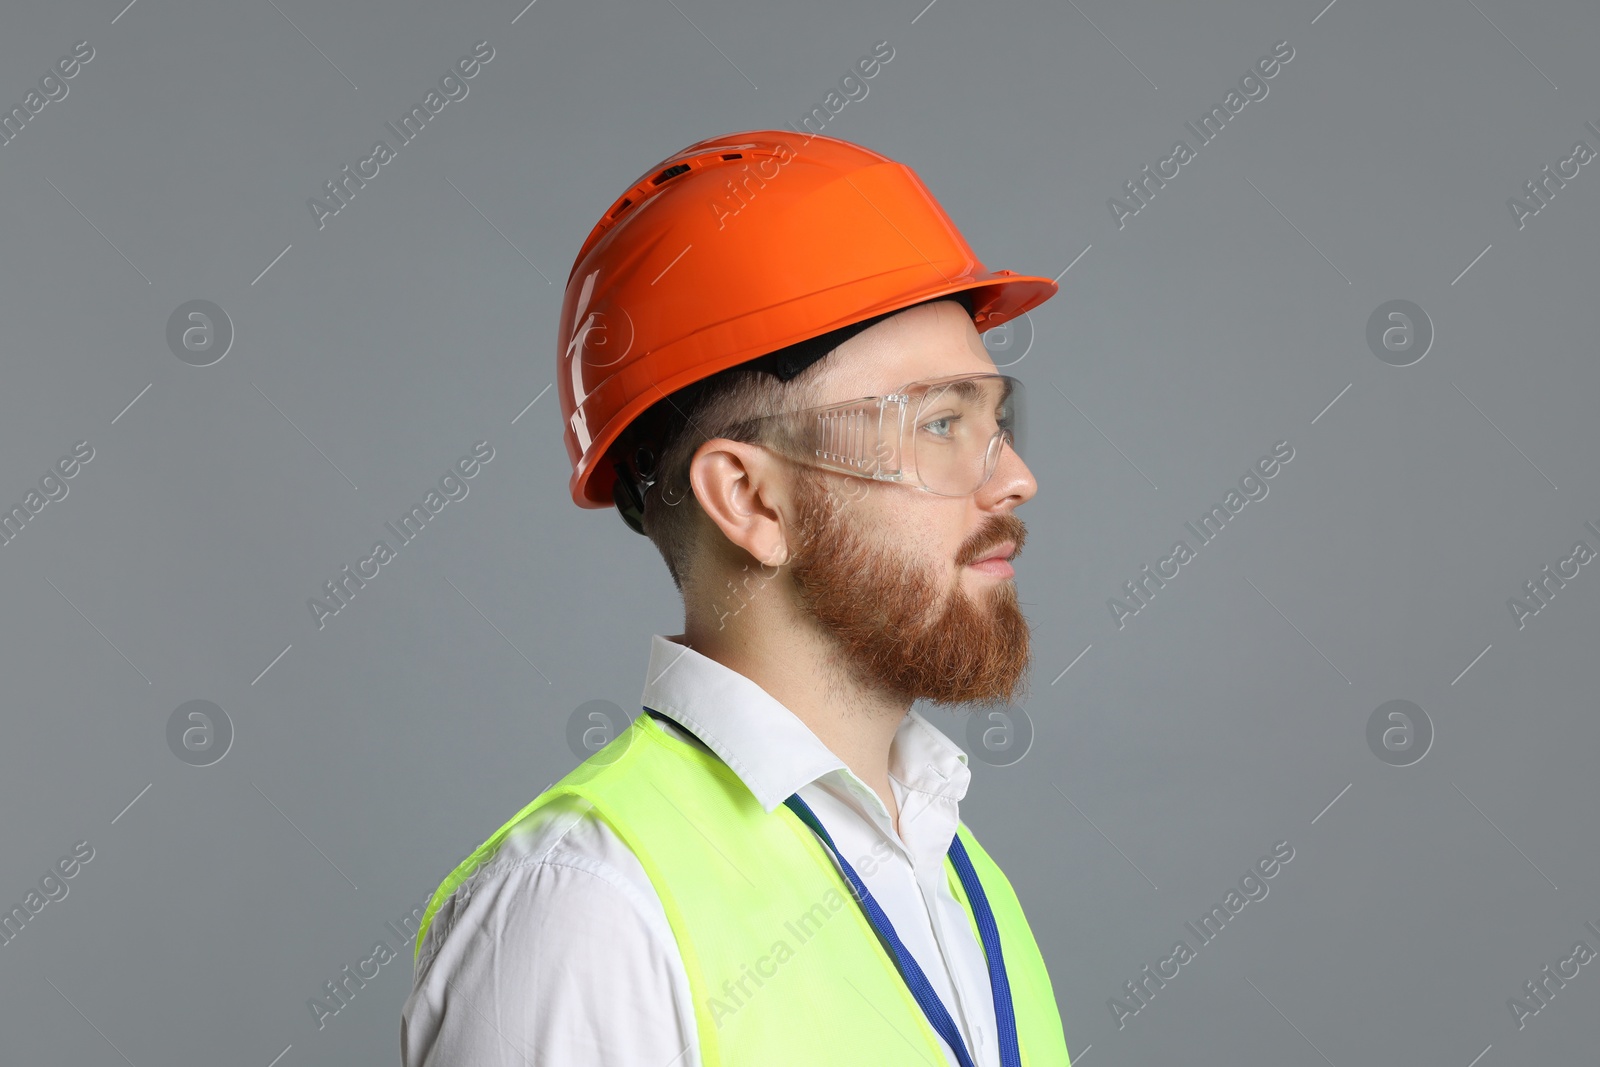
{"x": 735, "y": 247}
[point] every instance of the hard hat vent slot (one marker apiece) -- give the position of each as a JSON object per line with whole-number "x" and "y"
{"x": 736, "y": 155}
{"x": 669, "y": 173}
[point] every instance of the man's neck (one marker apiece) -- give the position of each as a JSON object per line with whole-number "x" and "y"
{"x": 802, "y": 672}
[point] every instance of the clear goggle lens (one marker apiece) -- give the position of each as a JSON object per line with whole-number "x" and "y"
{"x": 945, "y": 435}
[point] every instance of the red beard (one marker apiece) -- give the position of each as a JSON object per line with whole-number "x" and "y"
{"x": 895, "y": 628}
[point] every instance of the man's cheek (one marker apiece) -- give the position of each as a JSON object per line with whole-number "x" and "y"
{"x": 853, "y": 490}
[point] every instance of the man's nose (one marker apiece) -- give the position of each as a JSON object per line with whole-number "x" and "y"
{"x": 1011, "y": 479}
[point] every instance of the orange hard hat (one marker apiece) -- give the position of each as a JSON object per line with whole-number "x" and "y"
{"x": 734, "y": 248}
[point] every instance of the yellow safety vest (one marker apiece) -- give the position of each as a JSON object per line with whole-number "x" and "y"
{"x": 783, "y": 966}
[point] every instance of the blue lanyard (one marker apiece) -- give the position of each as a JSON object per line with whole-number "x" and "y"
{"x": 913, "y": 975}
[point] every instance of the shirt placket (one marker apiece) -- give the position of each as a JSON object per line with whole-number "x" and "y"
{"x": 930, "y": 819}
{"x": 919, "y": 848}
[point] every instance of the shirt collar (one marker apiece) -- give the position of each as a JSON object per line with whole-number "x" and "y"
{"x": 769, "y": 747}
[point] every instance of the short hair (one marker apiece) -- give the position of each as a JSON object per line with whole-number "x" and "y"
{"x": 652, "y": 455}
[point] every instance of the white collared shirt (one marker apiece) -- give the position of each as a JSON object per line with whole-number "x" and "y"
{"x": 558, "y": 951}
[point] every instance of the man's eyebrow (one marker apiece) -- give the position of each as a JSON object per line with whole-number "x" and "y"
{"x": 967, "y": 389}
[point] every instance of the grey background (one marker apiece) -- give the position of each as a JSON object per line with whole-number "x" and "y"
{"x": 1226, "y": 316}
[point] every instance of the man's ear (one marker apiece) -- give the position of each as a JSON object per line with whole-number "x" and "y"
{"x": 746, "y": 492}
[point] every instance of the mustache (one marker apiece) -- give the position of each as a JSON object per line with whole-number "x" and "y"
{"x": 998, "y": 530}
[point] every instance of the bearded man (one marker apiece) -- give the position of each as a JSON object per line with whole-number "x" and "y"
{"x": 793, "y": 403}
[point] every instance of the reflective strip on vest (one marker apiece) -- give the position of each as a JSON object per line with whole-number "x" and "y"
{"x": 783, "y": 966}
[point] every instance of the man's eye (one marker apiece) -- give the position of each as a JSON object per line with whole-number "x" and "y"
{"x": 934, "y": 423}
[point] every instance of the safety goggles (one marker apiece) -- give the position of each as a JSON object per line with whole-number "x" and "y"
{"x": 943, "y": 435}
